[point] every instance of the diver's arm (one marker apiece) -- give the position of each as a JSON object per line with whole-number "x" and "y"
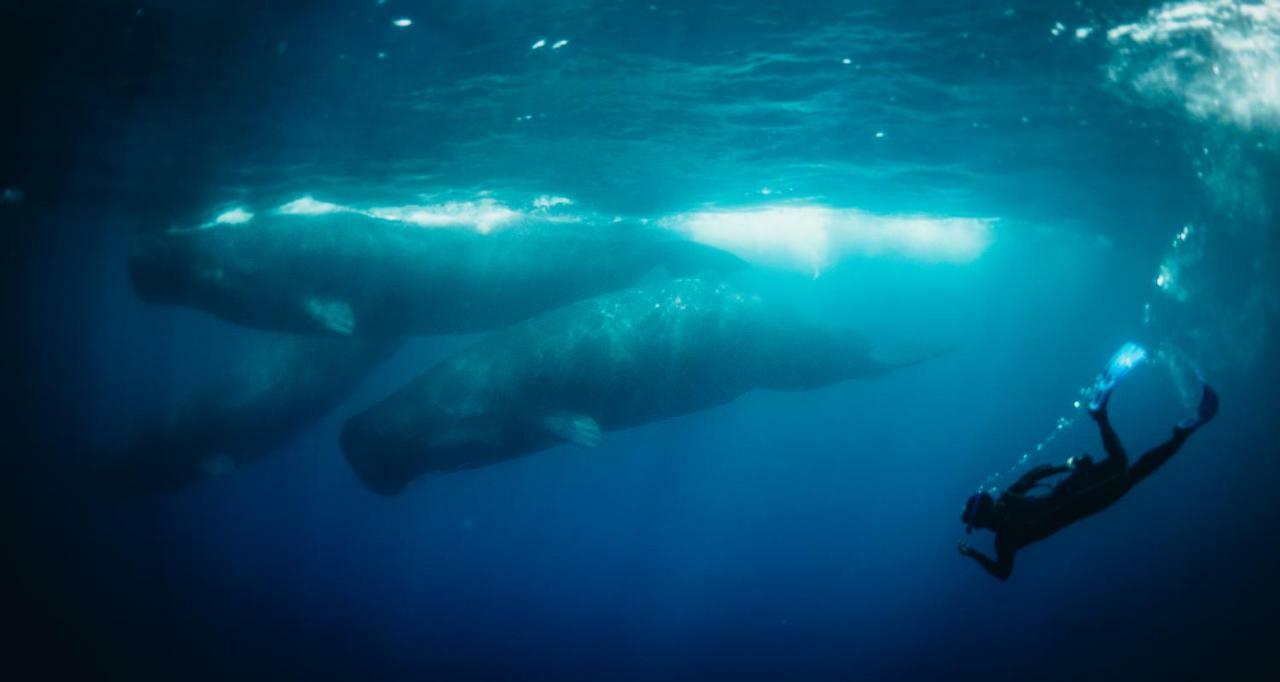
{"x": 1029, "y": 479}
{"x": 1001, "y": 567}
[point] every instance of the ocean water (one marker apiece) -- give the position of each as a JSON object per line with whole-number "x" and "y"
{"x": 1031, "y": 183}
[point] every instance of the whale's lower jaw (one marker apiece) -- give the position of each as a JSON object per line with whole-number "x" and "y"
{"x": 383, "y": 474}
{"x": 157, "y": 270}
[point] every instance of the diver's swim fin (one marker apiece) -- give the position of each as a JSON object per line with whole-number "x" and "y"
{"x": 1208, "y": 410}
{"x": 1129, "y": 356}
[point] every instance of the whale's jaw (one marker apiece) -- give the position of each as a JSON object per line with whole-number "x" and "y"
{"x": 383, "y": 473}
{"x": 158, "y": 268}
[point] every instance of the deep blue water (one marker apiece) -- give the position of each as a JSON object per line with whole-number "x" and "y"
{"x": 806, "y": 535}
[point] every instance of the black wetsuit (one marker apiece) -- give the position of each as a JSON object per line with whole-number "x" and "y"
{"x": 1019, "y": 519}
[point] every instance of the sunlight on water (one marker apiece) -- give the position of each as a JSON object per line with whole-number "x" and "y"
{"x": 1219, "y": 59}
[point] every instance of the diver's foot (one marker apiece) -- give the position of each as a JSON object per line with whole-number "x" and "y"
{"x": 1208, "y": 410}
{"x": 1098, "y": 404}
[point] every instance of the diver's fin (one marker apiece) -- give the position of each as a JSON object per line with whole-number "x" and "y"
{"x": 1208, "y": 410}
{"x": 332, "y": 314}
{"x": 1128, "y": 357}
{"x": 579, "y": 429}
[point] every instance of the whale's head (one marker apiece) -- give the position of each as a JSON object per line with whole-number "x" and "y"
{"x": 387, "y": 452}
{"x": 167, "y": 267}
{"x": 384, "y": 466}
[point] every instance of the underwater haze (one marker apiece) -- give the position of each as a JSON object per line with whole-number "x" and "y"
{"x": 331, "y": 354}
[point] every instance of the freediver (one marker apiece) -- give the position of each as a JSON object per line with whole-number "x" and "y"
{"x": 1019, "y": 518}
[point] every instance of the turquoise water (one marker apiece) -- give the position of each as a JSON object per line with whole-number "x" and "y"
{"x": 1033, "y": 184}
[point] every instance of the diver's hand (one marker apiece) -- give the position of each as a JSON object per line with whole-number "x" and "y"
{"x": 965, "y": 549}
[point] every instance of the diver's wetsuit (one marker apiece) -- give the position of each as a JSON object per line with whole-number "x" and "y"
{"x": 1019, "y": 519}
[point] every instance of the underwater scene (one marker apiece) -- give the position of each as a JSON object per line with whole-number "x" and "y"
{"x": 642, "y": 339}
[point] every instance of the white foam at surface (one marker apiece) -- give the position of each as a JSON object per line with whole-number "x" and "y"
{"x": 813, "y": 238}
{"x": 1218, "y": 59}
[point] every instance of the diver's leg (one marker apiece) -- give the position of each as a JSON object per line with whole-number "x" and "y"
{"x": 1153, "y": 458}
{"x": 1116, "y": 456}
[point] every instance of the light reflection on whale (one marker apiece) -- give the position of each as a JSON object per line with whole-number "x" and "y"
{"x": 310, "y": 267}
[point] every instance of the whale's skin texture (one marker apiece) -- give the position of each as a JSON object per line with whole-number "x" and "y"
{"x": 283, "y": 386}
{"x": 351, "y": 274}
{"x": 615, "y": 361}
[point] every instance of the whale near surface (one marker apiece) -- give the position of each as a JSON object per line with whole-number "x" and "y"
{"x": 263, "y": 400}
{"x": 350, "y": 273}
{"x": 615, "y": 361}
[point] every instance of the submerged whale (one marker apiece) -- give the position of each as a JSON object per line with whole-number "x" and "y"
{"x": 255, "y": 409}
{"x": 351, "y": 273}
{"x": 612, "y": 362}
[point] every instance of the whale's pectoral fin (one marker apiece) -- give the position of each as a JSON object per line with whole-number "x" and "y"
{"x": 332, "y": 314}
{"x": 579, "y": 429}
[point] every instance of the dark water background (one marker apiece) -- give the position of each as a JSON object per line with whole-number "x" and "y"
{"x": 785, "y": 536}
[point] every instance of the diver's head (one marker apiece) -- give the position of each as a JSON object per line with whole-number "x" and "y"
{"x": 977, "y": 511}
{"x": 1083, "y": 461}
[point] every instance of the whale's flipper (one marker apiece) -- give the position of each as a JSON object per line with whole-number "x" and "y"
{"x": 332, "y": 314}
{"x": 579, "y": 429}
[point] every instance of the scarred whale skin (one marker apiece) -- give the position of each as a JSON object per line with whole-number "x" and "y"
{"x": 348, "y": 273}
{"x": 285, "y": 385}
{"x": 619, "y": 360}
